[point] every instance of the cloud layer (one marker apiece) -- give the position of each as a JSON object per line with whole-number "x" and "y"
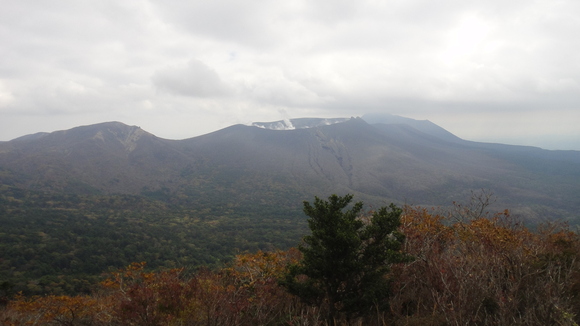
{"x": 489, "y": 71}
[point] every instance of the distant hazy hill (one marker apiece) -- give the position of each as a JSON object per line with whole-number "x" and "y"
{"x": 378, "y": 158}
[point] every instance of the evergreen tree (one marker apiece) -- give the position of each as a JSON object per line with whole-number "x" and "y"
{"x": 346, "y": 259}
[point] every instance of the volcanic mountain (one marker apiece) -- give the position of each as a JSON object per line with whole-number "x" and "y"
{"x": 379, "y": 158}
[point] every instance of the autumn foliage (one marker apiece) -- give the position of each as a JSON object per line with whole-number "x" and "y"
{"x": 486, "y": 270}
{"x": 482, "y": 269}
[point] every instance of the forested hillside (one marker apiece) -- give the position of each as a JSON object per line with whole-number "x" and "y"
{"x": 63, "y": 243}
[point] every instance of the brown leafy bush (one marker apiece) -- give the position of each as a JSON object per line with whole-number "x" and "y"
{"x": 486, "y": 271}
{"x": 58, "y": 310}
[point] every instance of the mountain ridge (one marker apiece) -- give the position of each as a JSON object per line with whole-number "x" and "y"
{"x": 391, "y": 159}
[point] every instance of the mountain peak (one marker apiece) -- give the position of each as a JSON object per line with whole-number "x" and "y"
{"x": 124, "y": 134}
{"x": 107, "y": 133}
{"x": 425, "y": 126}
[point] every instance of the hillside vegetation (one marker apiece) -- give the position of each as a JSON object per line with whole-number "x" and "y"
{"x": 470, "y": 268}
{"x": 61, "y": 244}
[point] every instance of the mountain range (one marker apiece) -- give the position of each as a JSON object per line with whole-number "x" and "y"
{"x": 378, "y": 158}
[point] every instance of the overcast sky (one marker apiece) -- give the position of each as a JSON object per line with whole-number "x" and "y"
{"x": 500, "y": 71}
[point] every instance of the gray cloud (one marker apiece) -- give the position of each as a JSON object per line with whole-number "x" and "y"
{"x": 194, "y": 79}
{"x": 491, "y": 71}
{"x": 226, "y": 20}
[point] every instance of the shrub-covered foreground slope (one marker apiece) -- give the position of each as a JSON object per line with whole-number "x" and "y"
{"x": 469, "y": 269}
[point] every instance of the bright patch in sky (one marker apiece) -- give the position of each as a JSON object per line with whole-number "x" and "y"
{"x": 466, "y": 39}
